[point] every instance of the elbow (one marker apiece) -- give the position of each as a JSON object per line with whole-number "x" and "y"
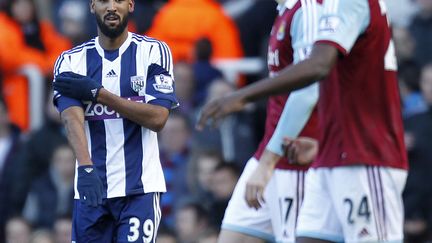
{"x": 158, "y": 123}
{"x": 157, "y": 127}
{"x": 323, "y": 58}
{"x": 321, "y": 70}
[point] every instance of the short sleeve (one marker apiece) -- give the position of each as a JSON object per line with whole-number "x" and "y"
{"x": 304, "y": 29}
{"x": 161, "y": 55}
{"x": 160, "y": 87}
{"x": 61, "y": 102}
{"x": 160, "y": 84}
{"x": 342, "y": 22}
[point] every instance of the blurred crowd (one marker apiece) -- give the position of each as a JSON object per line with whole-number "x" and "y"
{"x": 218, "y": 46}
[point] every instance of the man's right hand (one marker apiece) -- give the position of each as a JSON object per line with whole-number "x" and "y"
{"x": 302, "y": 150}
{"x": 77, "y": 86}
{"x": 89, "y": 186}
{"x": 256, "y": 185}
{"x": 218, "y": 108}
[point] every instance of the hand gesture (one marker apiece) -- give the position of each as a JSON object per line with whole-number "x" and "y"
{"x": 77, "y": 86}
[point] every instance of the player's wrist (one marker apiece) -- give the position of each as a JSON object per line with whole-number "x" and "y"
{"x": 269, "y": 159}
{"x": 85, "y": 163}
{"x": 101, "y": 94}
{"x": 242, "y": 96}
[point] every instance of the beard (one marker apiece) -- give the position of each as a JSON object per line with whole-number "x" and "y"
{"x": 112, "y": 32}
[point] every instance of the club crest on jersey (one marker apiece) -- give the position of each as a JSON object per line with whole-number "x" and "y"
{"x": 137, "y": 83}
{"x": 281, "y": 32}
{"x": 329, "y": 24}
{"x": 164, "y": 84}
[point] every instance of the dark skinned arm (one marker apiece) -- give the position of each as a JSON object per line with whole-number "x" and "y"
{"x": 316, "y": 67}
{"x": 73, "y": 120}
{"x": 304, "y": 73}
{"x": 150, "y": 116}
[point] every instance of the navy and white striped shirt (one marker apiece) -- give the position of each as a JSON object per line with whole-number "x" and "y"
{"x": 125, "y": 154}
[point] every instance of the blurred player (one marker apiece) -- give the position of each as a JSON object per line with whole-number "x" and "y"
{"x": 353, "y": 193}
{"x": 114, "y": 93}
{"x": 291, "y": 38}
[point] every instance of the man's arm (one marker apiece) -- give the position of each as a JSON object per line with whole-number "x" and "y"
{"x": 257, "y": 182}
{"x": 89, "y": 185}
{"x": 294, "y": 77}
{"x": 73, "y": 120}
{"x": 316, "y": 67}
{"x": 150, "y": 116}
{"x": 295, "y": 115}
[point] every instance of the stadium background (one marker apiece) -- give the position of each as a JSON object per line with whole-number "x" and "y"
{"x": 218, "y": 46}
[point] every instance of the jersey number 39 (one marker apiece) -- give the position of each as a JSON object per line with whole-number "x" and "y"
{"x": 147, "y": 228}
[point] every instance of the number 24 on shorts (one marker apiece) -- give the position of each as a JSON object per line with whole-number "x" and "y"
{"x": 360, "y": 210}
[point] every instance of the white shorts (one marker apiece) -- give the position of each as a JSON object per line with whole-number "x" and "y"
{"x": 239, "y": 217}
{"x": 276, "y": 219}
{"x": 353, "y": 204}
{"x": 285, "y": 203}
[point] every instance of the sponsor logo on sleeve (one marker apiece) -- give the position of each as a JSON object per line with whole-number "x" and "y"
{"x": 164, "y": 84}
{"x": 329, "y": 24}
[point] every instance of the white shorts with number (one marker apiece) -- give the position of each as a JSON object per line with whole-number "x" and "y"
{"x": 276, "y": 219}
{"x": 353, "y": 204}
{"x": 285, "y": 203}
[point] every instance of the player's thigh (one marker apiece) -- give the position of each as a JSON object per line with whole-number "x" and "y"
{"x": 317, "y": 218}
{"x": 240, "y": 218}
{"x": 91, "y": 224}
{"x": 139, "y": 219}
{"x": 228, "y": 236}
{"x": 369, "y": 203}
{"x": 285, "y": 202}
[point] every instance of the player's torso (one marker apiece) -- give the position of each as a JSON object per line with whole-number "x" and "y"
{"x": 119, "y": 147}
{"x": 281, "y": 55}
{"x": 359, "y": 102}
{"x": 280, "y": 51}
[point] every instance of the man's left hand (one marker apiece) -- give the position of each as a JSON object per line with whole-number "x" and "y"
{"x": 77, "y": 86}
{"x": 256, "y": 184}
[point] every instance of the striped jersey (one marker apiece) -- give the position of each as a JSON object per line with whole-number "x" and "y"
{"x": 291, "y": 39}
{"x": 125, "y": 154}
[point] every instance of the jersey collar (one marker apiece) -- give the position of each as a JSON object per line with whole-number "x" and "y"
{"x": 121, "y": 50}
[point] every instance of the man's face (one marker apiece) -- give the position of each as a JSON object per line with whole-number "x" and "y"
{"x": 112, "y": 15}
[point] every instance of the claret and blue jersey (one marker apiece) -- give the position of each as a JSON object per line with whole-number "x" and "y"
{"x": 125, "y": 154}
